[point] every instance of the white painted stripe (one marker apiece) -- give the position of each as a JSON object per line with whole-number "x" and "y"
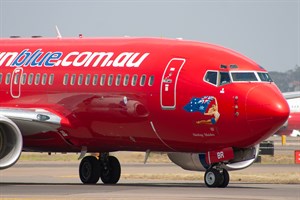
{"x": 153, "y": 128}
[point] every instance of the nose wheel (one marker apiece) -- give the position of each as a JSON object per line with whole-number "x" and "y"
{"x": 107, "y": 168}
{"x": 216, "y": 178}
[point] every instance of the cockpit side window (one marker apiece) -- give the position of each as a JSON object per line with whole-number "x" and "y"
{"x": 225, "y": 78}
{"x": 211, "y": 77}
{"x": 264, "y": 77}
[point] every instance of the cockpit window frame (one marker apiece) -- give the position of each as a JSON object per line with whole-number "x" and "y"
{"x": 220, "y": 82}
{"x": 218, "y": 79}
{"x": 217, "y": 82}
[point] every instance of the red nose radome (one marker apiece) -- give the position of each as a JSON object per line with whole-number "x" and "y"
{"x": 266, "y": 109}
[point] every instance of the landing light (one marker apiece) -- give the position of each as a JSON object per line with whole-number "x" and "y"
{"x": 125, "y": 100}
{"x": 41, "y": 117}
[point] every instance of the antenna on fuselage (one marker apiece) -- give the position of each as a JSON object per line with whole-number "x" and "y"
{"x": 57, "y": 32}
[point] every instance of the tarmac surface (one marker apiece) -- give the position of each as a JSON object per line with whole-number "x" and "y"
{"x": 59, "y": 180}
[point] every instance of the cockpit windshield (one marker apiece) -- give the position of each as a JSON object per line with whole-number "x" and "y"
{"x": 219, "y": 78}
{"x": 243, "y": 76}
{"x": 224, "y": 78}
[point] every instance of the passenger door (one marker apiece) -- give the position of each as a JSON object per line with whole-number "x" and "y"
{"x": 169, "y": 83}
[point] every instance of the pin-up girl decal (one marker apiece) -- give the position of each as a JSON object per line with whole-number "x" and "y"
{"x": 201, "y": 105}
{"x": 213, "y": 111}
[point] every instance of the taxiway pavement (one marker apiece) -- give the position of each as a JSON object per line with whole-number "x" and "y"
{"x": 59, "y": 180}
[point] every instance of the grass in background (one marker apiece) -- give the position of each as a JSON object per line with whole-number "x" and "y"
{"x": 138, "y": 157}
{"x": 26, "y": 156}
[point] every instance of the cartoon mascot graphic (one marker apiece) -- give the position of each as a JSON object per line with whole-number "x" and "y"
{"x": 202, "y": 105}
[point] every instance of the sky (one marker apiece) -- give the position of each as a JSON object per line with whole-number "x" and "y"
{"x": 267, "y": 31}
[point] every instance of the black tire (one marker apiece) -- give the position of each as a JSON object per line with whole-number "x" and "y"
{"x": 89, "y": 170}
{"x": 113, "y": 172}
{"x": 226, "y": 179}
{"x": 213, "y": 178}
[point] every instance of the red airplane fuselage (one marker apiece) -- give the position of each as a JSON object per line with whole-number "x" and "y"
{"x": 82, "y": 82}
{"x": 207, "y": 106}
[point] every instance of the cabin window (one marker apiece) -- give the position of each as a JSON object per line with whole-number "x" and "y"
{"x": 110, "y": 79}
{"x": 51, "y": 79}
{"x": 23, "y": 78}
{"x": 30, "y": 79}
{"x": 87, "y": 79}
{"x": 37, "y": 79}
{"x": 143, "y": 80}
{"x": 95, "y": 79}
{"x": 44, "y": 79}
{"x": 118, "y": 80}
{"x": 151, "y": 81}
{"x": 80, "y": 79}
{"x": 211, "y": 77}
{"x": 126, "y": 80}
{"x": 102, "y": 80}
{"x": 73, "y": 79}
{"x": 7, "y": 79}
{"x": 265, "y": 77}
{"x": 66, "y": 78}
{"x": 134, "y": 80}
{"x": 0, "y": 78}
{"x": 225, "y": 78}
{"x": 243, "y": 76}
{"x": 16, "y": 79}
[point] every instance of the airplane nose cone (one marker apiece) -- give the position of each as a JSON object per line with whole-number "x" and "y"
{"x": 267, "y": 110}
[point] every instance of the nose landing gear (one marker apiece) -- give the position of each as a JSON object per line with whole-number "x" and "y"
{"x": 215, "y": 177}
